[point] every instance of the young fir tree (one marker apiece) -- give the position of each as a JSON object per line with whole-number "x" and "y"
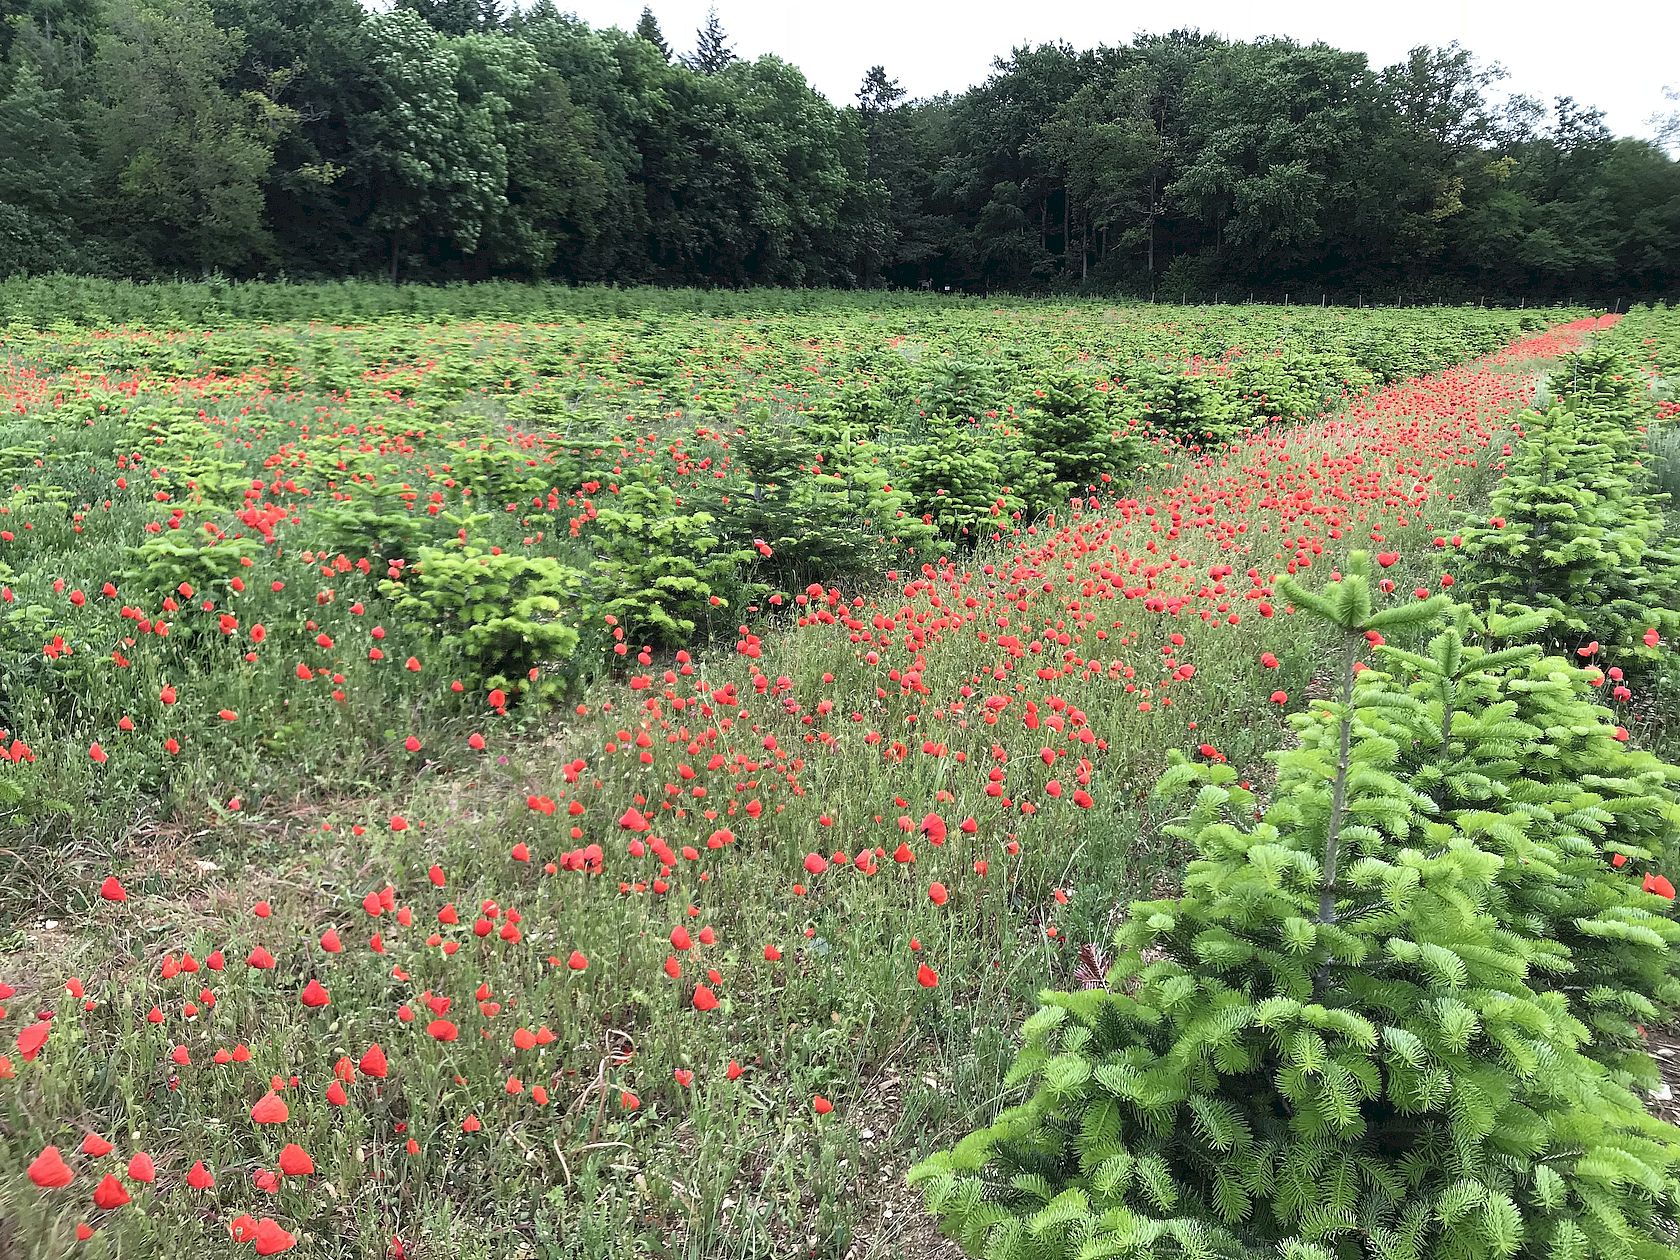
{"x": 1576, "y": 527}
{"x": 1326, "y": 1048}
{"x": 1514, "y": 751}
{"x": 1071, "y": 427}
{"x": 812, "y": 527}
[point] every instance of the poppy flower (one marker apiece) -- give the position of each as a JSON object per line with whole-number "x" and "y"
{"x": 270, "y": 1109}
{"x": 1659, "y": 884}
{"x": 271, "y": 1239}
{"x": 373, "y": 1062}
{"x": 109, "y": 1193}
{"x": 31, "y": 1038}
{"x": 926, "y": 976}
{"x": 112, "y": 889}
{"x": 821, "y": 1105}
{"x": 295, "y": 1161}
{"x": 198, "y": 1176}
{"x": 314, "y": 995}
{"x": 49, "y": 1171}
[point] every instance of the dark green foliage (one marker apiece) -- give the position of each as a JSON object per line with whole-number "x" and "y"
{"x": 1339, "y": 1041}
{"x": 647, "y": 27}
{"x": 814, "y": 524}
{"x": 712, "y": 53}
{"x": 44, "y": 179}
{"x": 464, "y": 139}
{"x": 663, "y": 572}
{"x": 1078, "y": 431}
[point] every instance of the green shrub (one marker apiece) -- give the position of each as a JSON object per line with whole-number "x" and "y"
{"x": 504, "y": 616}
{"x": 373, "y": 519}
{"x": 159, "y": 566}
{"x": 661, "y": 570}
{"x": 817, "y": 526}
{"x": 1071, "y": 427}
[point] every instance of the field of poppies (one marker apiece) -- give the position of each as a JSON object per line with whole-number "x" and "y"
{"x": 581, "y": 773}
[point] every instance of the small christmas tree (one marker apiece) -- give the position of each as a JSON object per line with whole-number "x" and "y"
{"x": 1576, "y": 527}
{"x": 1514, "y": 751}
{"x": 1326, "y": 1047}
{"x": 1067, "y": 422}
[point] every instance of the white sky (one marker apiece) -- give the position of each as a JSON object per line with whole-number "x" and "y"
{"x": 1617, "y": 54}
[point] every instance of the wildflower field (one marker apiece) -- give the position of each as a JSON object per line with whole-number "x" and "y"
{"x": 510, "y": 771}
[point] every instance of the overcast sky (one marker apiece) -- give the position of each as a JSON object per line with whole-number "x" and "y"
{"x": 1617, "y": 54}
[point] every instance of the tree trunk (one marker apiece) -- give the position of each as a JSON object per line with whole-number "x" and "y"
{"x": 1067, "y": 236}
{"x": 393, "y": 255}
{"x": 1150, "y": 213}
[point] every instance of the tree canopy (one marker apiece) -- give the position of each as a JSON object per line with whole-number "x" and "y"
{"x": 462, "y": 139}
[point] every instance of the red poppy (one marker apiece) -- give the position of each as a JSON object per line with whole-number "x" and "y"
{"x": 49, "y": 1171}
{"x": 295, "y": 1161}
{"x": 271, "y": 1239}
{"x": 270, "y": 1109}
{"x": 109, "y": 1193}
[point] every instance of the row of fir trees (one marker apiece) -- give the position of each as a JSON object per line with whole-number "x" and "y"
{"x": 1399, "y": 1008}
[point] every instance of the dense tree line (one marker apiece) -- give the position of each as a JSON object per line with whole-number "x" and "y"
{"x": 453, "y": 139}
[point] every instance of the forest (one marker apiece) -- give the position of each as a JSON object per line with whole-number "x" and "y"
{"x": 450, "y": 140}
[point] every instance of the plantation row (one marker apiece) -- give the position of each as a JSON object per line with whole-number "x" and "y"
{"x": 1397, "y": 1008}
{"x": 405, "y": 970}
{"x": 305, "y": 510}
